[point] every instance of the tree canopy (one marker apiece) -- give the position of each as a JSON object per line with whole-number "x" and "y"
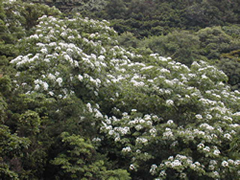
{"x": 76, "y": 104}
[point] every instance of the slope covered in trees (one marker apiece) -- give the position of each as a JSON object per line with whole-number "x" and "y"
{"x": 151, "y": 17}
{"x": 154, "y": 17}
{"x": 75, "y": 104}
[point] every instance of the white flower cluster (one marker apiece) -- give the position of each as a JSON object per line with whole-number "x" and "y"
{"x": 206, "y": 126}
{"x": 126, "y": 149}
{"x": 39, "y": 83}
{"x": 168, "y": 134}
{"x": 141, "y": 140}
{"x": 51, "y": 54}
{"x": 97, "y": 139}
{"x": 153, "y": 169}
{"x": 180, "y": 163}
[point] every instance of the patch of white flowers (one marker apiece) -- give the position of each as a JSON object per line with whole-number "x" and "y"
{"x": 52, "y": 53}
{"x": 214, "y": 124}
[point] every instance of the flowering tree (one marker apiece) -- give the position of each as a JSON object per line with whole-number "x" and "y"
{"x": 155, "y": 117}
{"x": 175, "y": 121}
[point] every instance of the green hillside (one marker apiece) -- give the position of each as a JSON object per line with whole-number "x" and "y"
{"x": 80, "y": 99}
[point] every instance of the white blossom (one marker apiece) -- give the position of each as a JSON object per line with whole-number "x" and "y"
{"x": 141, "y": 140}
{"x": 37, "y": 87}
{"x": 97, "y": 139}
{"x": 206, "y": 149}
{"x": 132, "y": 167}
{"x": 98, "y": 114}
{"x": 168, "y": 133}
{"x": 169, "y": 102}
{"x": 153, "y": 132}
{"x": 176, "y": 163}
{"x": 216, "y": 152}
{"x": 127, "y": 149}
{"x": 199, "y": 116}
{"x": 59, "y": 81}
{"x": 45, "y": 86}
{"x": 224, "y": 164}
{"x": 51, "y": 76}
{"x": 201, "y": 145}
{"x": 170, "y": 122}
{"x": 209, "y": 116}
{"x": 80, "y": 77}
{"x": 162, "y": 173}
{"x": 44, "y": 50}
{"x": 227, "y": 136}
{"x": 138, "y": 127}
{"x": 89, "y": 107}
{"x": 207, "y": 126}
{"x": 153, "y": 169}
{"x": 51, "y": 93}
{"x": 237, "y": 163}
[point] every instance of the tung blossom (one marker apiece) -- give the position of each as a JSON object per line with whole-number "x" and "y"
{"x": 45, "y": 86}
{"x": 199, "y": 116}
{"x": 59, "y": 81}
{"x": 169, "y": 102}
{"x": 224, "y": 164}
{"x": 126, "y": 149}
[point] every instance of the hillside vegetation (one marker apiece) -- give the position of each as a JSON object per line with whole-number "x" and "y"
{"x": 81, "y": 99}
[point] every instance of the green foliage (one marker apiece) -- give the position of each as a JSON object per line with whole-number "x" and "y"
{"x": 147, "y": 18}
{"x": 202, "y": 14}
{"x": 128, "y": 40}
{"x": 117, "y": 8}
{"x": 29, "y": 123}
{"x": 187, "y": 46}
{"x": 214, "y": 41}
{"x": 78, "y": 161}
{"x": 21, "y": 17}
{"x": 182, "y": 46}
{"x": 76, "y": 105}
{"x": 11, "y": 152}
{"x": 231, "y": 66}
{"x": 90, "y": 7}
{"x": 3, "y": 107}
{"x": 232, "y": 55}
{"x": 11, "y": 144}
{"x": 233, "y": 30}
{"x": 78, "y": 153}
{"x": 5, "y": 85}
{"x": 5, "y": 90}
